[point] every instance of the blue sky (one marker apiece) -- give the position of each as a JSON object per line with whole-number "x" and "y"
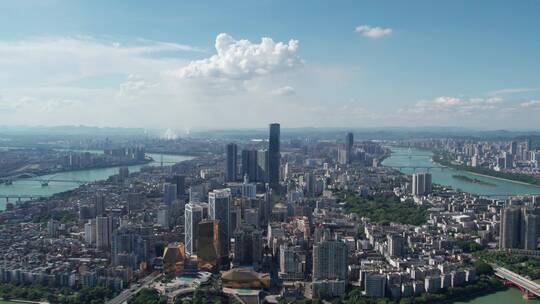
{"x": 351, "y": 63}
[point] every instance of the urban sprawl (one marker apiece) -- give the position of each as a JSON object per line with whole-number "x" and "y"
{"x": 272, "y": 220}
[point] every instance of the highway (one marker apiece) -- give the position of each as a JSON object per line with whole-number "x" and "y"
{"x": 125, "y": 295}
{"x": 531, "y": 287}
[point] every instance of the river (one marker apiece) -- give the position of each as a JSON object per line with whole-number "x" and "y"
{"x": 400, "y": 157}
{"x": 500, "y": 187}
{"x": 34, "y": 188}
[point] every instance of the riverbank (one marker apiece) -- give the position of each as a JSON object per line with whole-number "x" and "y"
{"x": 15, "y": 301}
{"x": 524, "y": 179}
{"x": 43, "y": 173}
{"x": 30, "y": 188}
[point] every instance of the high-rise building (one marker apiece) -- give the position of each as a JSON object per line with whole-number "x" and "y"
{"x": 395, "y": 245}
{"x": 90, "y": 232}
{"x": 249, "y": 190}
{"x": 219, "y": 202}
{"x": 248, "y": 247}
{"x": 52, "y": 228}
{"x": 103, "y": 232}
{"x": 231, "y": 163}
{"x": 329, "y": 268}
{"x": 349, "y": 143}
{"x": 274, "y": 156}
{"x": 292, "y": 262}
{"x": 330, "y": 260}
{"x": 374, "y": 285}
{"x": 309, "y": 180}
{"x": 262, "y": 166}
{"x": 208, "y": 244}
{"x": 99, "y": 205}
{"x": 249, "y": 164}
{"x": 169, "y": 193}
{"x": 134, "y": 201}
{"x": 343, "y": 156}
{"x": 163, "y": 216}
{"x": 508, "y": 160}
{"x": 513, "y": 148}
{"x": 421, "y": 183}
{"x": 128, "y": 247}
{"x": 193, "y": 216}
{"x": 197, "y": 193}
{"x": 180, "y": 182}
{"x": 519, "y": 227}
{"x": 123, "y": 173}
{"x": 509, "y": 228}
{"x": 529, "y": 233}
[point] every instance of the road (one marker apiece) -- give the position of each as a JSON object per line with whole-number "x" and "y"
{"x": 125, "y": 295}
{"x": 530, "y": 286}
{"x": 172, "y": 296}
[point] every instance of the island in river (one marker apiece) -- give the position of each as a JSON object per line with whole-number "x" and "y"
{"x": 473, "y": 180}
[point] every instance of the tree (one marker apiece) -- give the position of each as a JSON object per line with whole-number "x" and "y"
{"x": 483, "y": 268}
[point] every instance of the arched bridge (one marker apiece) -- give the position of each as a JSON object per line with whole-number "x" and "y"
{"x": 527, "y": 287}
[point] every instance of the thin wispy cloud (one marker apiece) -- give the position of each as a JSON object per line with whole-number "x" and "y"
{"x": 453, "y": 106}
{"x": 531, "y": 104}
{"x": 284, "y": 91}
{"x": 512, "y": 91}
{"x": 373, "y": 31}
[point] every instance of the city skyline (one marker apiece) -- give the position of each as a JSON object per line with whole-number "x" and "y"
{"x": 185, "y": 66}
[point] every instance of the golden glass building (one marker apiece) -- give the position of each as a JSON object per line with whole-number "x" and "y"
{"x": 208, "y": 245}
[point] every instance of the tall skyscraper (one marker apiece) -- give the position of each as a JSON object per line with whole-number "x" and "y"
{"x": 510, "y": 228}
{"x": 163, "y": 217}
{"x": 99, "y": 205}
{"x": 103, "y": 232}
{"x": 309, "y": 180}
{"x": 513, "y": 148}
{"x": 193, "y": 216}
{"x": 262, "y": 166}
{"x": 249, "y": 164}
{"x": 169, "y": 193}
{"x": 529, "y": 230}
{"x": 421, "y": 183}
{"x": 231, "y": 163}
{"x": 519, "y": 227}
{"x": 180, "y": 182}
{"x": 274, "y": 156}
{"x": 219, "y": 202}
{"x": 90, "y": 232}
{"x": 208, "y": 244}
{"x": 349, "y": 143}
{"x": 508, "y": 160}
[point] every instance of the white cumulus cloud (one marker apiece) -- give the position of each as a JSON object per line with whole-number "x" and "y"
{"x": 242, "y": 59}
{"x": 373, "y": 31}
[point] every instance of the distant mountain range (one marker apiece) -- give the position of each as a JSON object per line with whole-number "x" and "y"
{"x": 360, "y": 133}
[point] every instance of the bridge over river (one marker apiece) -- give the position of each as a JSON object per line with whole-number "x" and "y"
{"x": 527, "y": 287}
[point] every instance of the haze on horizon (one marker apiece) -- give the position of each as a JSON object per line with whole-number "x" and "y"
{"x": 357, "y": 64}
